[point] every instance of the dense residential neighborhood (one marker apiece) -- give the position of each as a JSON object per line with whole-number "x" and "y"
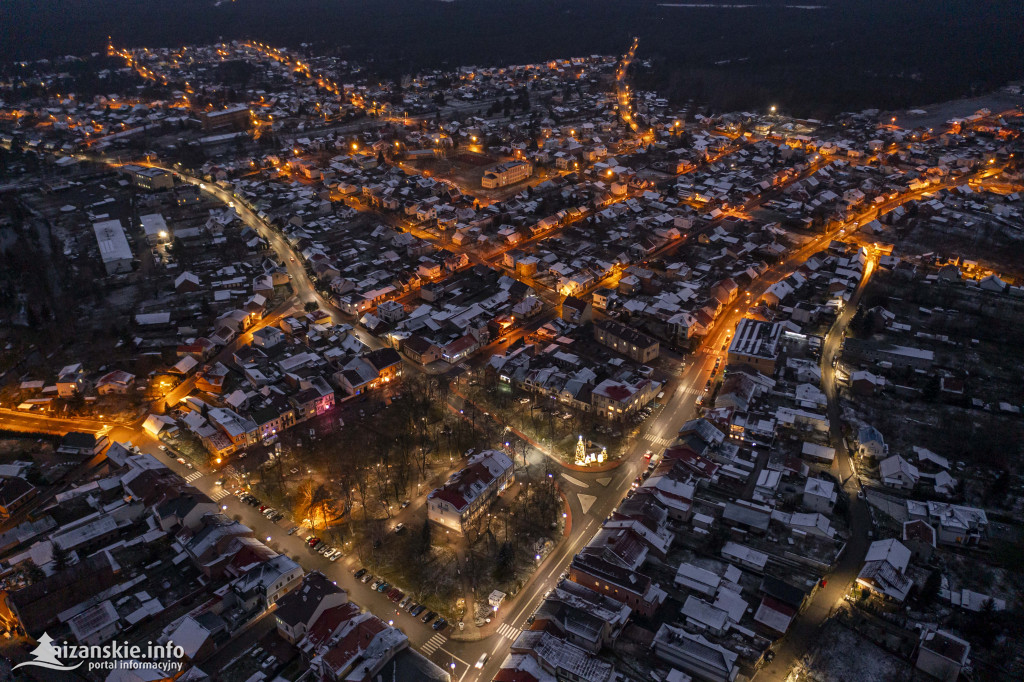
{"x": 502, "y": 373}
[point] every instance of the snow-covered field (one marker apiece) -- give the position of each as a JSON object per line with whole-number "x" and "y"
{"x": 841, "y": 655}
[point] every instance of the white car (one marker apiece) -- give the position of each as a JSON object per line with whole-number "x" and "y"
{"x": 480, "y": 661}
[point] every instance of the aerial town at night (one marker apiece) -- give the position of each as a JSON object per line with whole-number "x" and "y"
{"x": 513, "y": 373}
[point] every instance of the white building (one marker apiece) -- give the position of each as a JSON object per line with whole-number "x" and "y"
{"x": 467, "y": 493}
{"x": 114, "y": 248}
{"x": 819, "y": 495}
{"x": 155, "y": 227}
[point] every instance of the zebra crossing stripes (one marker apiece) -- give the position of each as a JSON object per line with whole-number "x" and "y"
{"x": 434, "y": 643}
{"x": 219, "y": 494}
{"x": 508, "y": 632}
{"x": 659, "y": 440}
{"x": 194, "y": 476}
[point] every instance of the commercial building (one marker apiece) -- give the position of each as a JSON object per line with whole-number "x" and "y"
{"x": 155, "y": 227}
{"x": 114, "y": 248}
{"x": 149, "y": 179}
{"x": 467, "y": 493}
{"x": 756, "y": 344}
{"x": 506, "y": 174}
{"x": 236, "y": 117}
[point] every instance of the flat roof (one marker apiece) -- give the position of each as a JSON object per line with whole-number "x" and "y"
{"x": 153, "y": 224}
{"x": 112, "y": 241}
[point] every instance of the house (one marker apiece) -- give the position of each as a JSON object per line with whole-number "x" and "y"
{"x": 617, "y": 400}
{"x": 605, "y": 573}
{"x": 345, "y": 644}
{"x": 622, "y": 339}
{"x": 264, "y": 584}
{"x": 298, "y": 610}
{"x": 695, "y": 655}
{"x": 419, "y": 349}
{"x": 466, "y": 495}
{"x": 543, "y": 656}
{"x": 78, "y": 444}
{"x": 919, "y": 538}
{"x": 71, "y": 381}
{"x": 870, "y": 443}
{"x": 774, "y": 616}
{"x": 941, "y": 654}
{"x": 884, "y": 571}
{"x": 954, "y": 524}
{"x": 897, "y": 472}
{"x": 15, "y": 493}
{"x": 575, "y": 311}
{"x": 819, "y": 495}
{"x": 116, "y": 382}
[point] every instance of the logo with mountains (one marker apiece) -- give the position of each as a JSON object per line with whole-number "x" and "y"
{"x": 46, "y": 656}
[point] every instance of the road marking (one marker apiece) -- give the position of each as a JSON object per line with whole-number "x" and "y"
{"x": 586, "y": 501}
{"x": 508, "y": 632}
{"x": 433, "y": 644}
{"x": 605, "y": 481}
{"x": 219, "y": 494}
{"x": 659, "y": 440}
{"x": 575, "y": 481}
{"x": 194, "y": 476}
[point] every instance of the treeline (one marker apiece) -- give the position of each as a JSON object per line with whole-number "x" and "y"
{"x": 851, "y": 54}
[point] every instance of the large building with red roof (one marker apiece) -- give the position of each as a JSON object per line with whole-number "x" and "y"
{"x": 468, "y": 492}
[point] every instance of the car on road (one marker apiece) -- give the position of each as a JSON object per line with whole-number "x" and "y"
{"x": 481, "y": 661}
{"x": 406, "y": 503}
{"x": 181, "y": 460}
{"x": 417, "y": 610}
{"x": 428, "y": 616}
{"x": 439, "y": 624}
{"x": 360, "y": 573}
{"x": 163, "y": 448}
{"x": 220, "y": 481}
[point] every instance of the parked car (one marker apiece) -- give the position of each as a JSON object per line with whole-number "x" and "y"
{"x": 376, "y": 583}
{"x": 384, "y": 587}
{"x": 399, "y": 528}
{"x": 405, "y": 602}
{"x": 439, "y": 624}
{"x": 360, "y": 573}
{"x": 428, "y": 616}
{"x": 417, "y": 610}
{"x": 292, "y": 530}
{"x": 367, "y": 577}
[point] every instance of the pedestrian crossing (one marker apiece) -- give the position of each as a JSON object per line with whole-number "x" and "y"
{"x": 219, "y": 494}
{"x": 659, "y": 440}
{"x": 508, "y": 632}
{"x": 194, "y": 476}
{"x": 434, "y": 643}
